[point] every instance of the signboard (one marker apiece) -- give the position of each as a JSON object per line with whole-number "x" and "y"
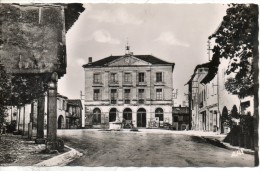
{"x": 32, "y": 38}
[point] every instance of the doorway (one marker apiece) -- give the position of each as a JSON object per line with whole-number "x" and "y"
{"x": 141, "y": 117}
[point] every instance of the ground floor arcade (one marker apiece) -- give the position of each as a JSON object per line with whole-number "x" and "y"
{"x": 129, "y": 116}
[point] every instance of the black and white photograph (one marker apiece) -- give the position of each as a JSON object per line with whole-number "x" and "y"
{"x": 122, "y": 84}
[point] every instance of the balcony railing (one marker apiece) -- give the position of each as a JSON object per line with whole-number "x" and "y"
{"x": 127, "y": 101}
{"x": 113, "y": 83}
{"x": 113, "y": 101}
{"x": 142, "y": 83}
{"x": 140, "y": 101}
{"x": 127, "y": 83}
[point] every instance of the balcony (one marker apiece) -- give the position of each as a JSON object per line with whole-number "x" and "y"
{"x": 141, "y": 83}
{"x": 140, "y": 101}
{"x": 127, "y": 83}
{"x": 97, "y": 84}
{"x": 113, "y": 83}
{"x": 113, "y": 101}
{"x": 159, "y": 83}
{"x": 127, "y": 101}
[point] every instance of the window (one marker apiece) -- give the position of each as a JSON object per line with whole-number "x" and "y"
{"x": 159, "y": 113}
{"x": 141, "y": 96}
{"x": 97, "y": 94}
{"x": 127, "y": 77}
{"x": 159, "y": 77}
{"x": 159, "y": 94}
{"x": 113, "y": 96}
{"x": 97, "y": 78}
{"x": 127, "y": 96}
{"x": 141, "y": 77}
{"x": 96, "y": 116}
{"x": 180, "y": 118}
{"x": 113, "y": 77}
{"x": 175, "y": 119}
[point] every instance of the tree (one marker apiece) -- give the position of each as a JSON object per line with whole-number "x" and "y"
{"x": 234, "y": 112}
{"x": 5, "y": 89}
{"x": 27, "y": 88}
{"x": 237, "y": 39}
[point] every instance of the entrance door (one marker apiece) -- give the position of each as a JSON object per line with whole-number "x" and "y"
{"x": 60, "y": 122}
{"x": 141, "y": 117}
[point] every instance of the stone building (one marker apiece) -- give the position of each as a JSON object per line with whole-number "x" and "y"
{"x": 134, "y": 89}
{"x": 197, "y": 97}
{"x": 209, "y": 100}
{"x": 73, "y": 113}
{"x": 61, "y": 111}
{"x": 181, "y": 118}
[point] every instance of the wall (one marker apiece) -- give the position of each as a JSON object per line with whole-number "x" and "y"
{"x": 150, "y": 90}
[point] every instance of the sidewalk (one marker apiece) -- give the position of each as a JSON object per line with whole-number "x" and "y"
{"x": 213, "y": 138}
{"x": 216, "y": 139}
{"x": 17, "y": 151}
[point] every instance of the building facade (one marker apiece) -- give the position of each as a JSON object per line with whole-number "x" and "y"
{"x": 181, "y": 118}
{"x": 61, "y": 111}
{"x": 209, "y": 100}
{"x": 134, "y": 89}
{"x": 73, "y": 113}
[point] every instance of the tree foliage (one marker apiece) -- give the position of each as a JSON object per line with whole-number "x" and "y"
{"x": 27, "y": 88}
{"x": 5, "y": 90}
{"x": 237, "y": 39}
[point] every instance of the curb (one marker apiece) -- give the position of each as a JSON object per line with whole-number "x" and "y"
{"x": 244, "y": 150}
{"x": 228, "y": 146}
{"x": 61, "y": 160}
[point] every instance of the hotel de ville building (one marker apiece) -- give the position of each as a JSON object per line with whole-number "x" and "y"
{"x": 135, "y": 89}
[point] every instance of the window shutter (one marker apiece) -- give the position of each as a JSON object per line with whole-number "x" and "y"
{"x": 162, "y": 77}
{"x": 100, "y": 94}
{"x": 137, "y": 77}
{"x": 144, "y": 76}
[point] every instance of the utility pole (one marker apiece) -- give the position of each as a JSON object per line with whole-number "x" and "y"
{"x": 83, "y": 109}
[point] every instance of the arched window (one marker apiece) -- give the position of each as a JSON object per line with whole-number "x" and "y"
{"x": 127, "y": 114}
{"x": 96, "y": 116}
{"x": 60, "y": 122}
{"x": 159, "y": 113}
{"x": 112, "y": 115}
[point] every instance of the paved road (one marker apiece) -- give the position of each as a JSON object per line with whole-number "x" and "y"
{"x": 125, "y": 149}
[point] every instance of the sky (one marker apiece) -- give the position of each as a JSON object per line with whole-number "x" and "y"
{"x": 173, "y": 32}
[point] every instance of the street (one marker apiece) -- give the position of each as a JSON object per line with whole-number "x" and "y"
{"x": 147, "y": 148}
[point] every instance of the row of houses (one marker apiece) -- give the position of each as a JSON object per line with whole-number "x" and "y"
{"x": 209, "y": 101}
{"x": 69, "y": 114}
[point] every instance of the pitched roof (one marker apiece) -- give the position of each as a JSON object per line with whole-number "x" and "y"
{"x": 75, "y": 102}
{"x": 213, "y": 69}
{"x": 205, "y": 65}
{"x": 148, "y": 58}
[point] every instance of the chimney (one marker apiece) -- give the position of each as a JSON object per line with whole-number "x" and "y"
{"x": 89, "y": 60}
